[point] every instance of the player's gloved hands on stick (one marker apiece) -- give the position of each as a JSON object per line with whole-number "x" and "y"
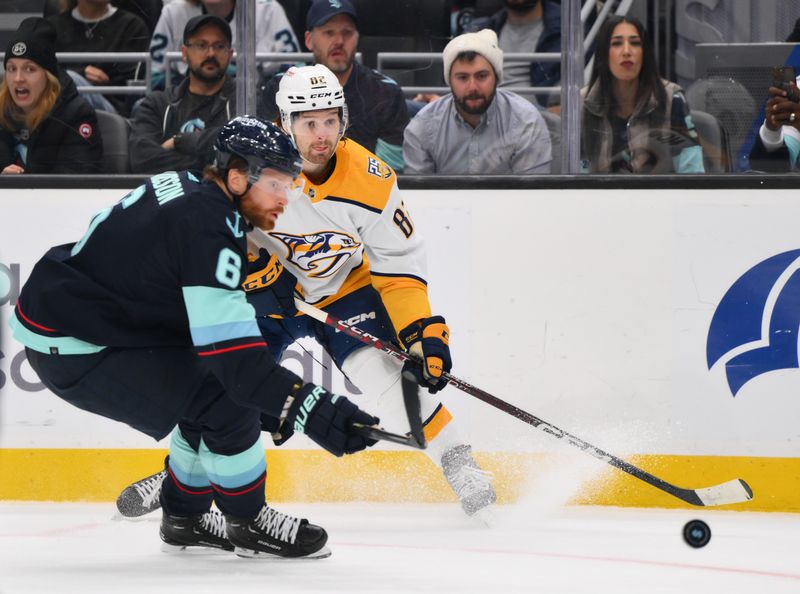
{"x": 429, "y": 341}
{"x": 327, "y": 419}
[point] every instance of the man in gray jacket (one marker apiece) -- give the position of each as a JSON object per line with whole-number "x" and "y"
{"x": 477, "y": 129}
{"x": 176, "y": 129}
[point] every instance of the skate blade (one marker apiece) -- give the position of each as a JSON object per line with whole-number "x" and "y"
{"x": 323, "y": 553}
{"x": 129, "y": 514}
{"x": 183, "y": 550}
{"x": 118, "y": 517}
{"x": 485, "y": 516}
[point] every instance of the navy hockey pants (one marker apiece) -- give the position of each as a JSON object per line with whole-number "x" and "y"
{"x": 152, "y": 390}
{"x": 362, "y": 308}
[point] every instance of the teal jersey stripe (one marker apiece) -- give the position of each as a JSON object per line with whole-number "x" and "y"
{"x": 66, "y": 345}
{"x": 234, "y": 471}
{"x": 793, "y": 145}
{"x": 219, "y": 314}
{"x": 185, "y": 462}
{"x": 222, "y": 332}
{"x": 689, "y": 160}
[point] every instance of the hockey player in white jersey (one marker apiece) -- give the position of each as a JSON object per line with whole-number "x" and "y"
{"x": 273, "y": 32}
{"x": 348, "y": 239}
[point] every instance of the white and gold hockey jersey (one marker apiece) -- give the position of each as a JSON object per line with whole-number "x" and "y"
{"x": 350, "y": 231}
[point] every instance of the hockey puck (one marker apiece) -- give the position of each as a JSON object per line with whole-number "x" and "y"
{"x": 696, "y": 533}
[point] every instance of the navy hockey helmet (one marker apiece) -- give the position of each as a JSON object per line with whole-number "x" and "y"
{"x": 259, "y": 142}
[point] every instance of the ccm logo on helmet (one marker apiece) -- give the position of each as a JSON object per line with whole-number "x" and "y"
{"x": 319, "y": 95}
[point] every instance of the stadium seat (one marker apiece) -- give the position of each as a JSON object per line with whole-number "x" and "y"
{"x": 733, "y": 107}
{"x": 114, "y": 130}
{"x": 714, "y": 140}
{"x": 410, "y": 26}
{"x": 553, "y": 122}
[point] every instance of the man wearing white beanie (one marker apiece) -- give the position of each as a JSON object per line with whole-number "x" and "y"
{"x": 477, "y": 129}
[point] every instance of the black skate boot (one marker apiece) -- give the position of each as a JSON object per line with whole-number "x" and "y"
{"x": 273, "y": 534}
{"x": 206, "y": 531}
{"x": 472, "y": 486}
{"x": 142, "y": 497}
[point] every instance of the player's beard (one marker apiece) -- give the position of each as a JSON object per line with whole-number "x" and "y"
{"x": 319, "y": 158}
{"x": 475, "y": 109}
{"x": 213, "y": 77}
{"x": 269, "y": 219}
{"x": 263, "y": 219}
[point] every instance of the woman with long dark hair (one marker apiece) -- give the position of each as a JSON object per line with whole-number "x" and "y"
{"x": 633, "y": 120}
{"x": 45, "y": 127}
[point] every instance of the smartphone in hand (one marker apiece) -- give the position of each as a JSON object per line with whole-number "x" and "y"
{"x": 781, "y": 77}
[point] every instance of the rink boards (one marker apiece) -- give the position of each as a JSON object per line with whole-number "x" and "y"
{"x": 627, "y": 317}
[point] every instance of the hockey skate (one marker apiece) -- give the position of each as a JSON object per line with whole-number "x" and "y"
{"x": 472, "y": 486}
{"x": 142, "y": 497}
{"x": 272, "y": 534}
{"x": 204, "y": 531}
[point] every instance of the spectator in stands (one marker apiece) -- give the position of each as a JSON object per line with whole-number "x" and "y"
{"x": 633, "y": 120}
{"x": 777, "y": 146}
{"x": 45, "y": 126}
{"x": 96, "y": 26}
{"x": 273, "y": 32}
{"x": 527, "y": 26}
{"x": 175, "y": 129}
{"x": 147, "y": 10}
{"x": 376, "y": 106}
{"x": 794, "y": 36}
{"x": 477, "y": 129}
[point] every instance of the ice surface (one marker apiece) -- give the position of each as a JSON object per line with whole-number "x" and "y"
{"x": 404, "y": 548}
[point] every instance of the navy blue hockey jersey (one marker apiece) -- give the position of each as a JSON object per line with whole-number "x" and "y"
{"x": 162, "y": 267}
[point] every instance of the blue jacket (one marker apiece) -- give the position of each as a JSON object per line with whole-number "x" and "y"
{"x": 544, "y": 74}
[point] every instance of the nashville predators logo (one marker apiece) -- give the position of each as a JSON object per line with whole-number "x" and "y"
{"x": 320, "y": 254}
{"x": 378, "y": 169}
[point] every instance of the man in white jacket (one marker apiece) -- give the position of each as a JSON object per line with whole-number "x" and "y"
{"x": 273, "y": 32}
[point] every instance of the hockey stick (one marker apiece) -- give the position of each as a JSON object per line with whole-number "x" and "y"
{"x": 734, "y": 491}
{"x": 414, "y": 439}
{"x": 381, "y": 435}
{"x": 413, "y": 408}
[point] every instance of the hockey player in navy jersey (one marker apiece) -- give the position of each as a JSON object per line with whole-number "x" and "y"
{"x": 144, "y": 321}
{"x": 348, "y": 239}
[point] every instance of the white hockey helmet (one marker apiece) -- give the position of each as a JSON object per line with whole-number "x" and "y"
{"x": 309, "y": 88}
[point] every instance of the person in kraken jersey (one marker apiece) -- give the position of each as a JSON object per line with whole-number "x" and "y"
{"x": 144, "y": 321}
{"x": 349, "y": 242}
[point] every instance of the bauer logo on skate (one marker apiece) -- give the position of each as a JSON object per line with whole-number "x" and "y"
{"x": 320, "y": 254}
{"x": 755, "y": 327}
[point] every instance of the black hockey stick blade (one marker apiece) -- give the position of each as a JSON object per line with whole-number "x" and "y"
{"x": 382, "y": 435}
{"x": 413, "y": 407}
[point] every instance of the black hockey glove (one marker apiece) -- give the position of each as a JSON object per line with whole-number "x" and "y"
{"x": 327, "y": 419}
{"x": 428, "y": 341}
{"x": 270, "y": 287}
